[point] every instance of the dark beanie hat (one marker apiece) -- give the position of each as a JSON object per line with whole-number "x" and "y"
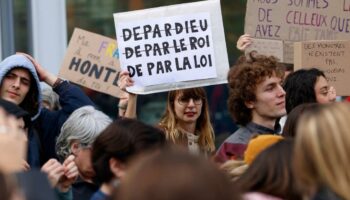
{"x": 15, "y": 110}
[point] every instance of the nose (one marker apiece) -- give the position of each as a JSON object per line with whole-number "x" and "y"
{"x": 16, "y": 83}
{"x": 190, "y": 102}
{"x": 332, "y": 94}
{"x": 281, "y": 91}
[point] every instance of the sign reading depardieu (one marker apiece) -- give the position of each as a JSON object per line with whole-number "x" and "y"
{"x": 173, "y": 47}
{"x": 170, "y": 49}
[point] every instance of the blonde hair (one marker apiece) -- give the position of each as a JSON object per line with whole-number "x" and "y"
{"x": 234, "y": 168}
{"x": 322, "y": 149}
{"x": 169, "y": 120}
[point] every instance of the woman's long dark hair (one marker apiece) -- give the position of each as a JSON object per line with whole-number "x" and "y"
{"x": 271, "y": 172}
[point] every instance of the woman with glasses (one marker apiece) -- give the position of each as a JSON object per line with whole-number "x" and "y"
{"x": 187, "y": 122}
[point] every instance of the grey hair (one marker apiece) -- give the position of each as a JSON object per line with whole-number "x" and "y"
{"x": 83, "y": 125}
{"x": 51, "y": 97}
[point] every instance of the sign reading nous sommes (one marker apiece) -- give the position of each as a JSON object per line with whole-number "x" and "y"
{"x": 298, "y": 20}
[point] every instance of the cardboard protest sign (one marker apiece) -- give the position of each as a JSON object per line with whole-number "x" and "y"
{"x": 173, "y": 47}
{"x": 297, "y": 20}
{"x": 332, "y": 57}
{"x": 267, "y": 47}
{"x": 92, "y": 61}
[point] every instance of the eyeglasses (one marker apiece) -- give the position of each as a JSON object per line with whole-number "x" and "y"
{"x": 85, "y": 146}
{"x": 185, "y": 101}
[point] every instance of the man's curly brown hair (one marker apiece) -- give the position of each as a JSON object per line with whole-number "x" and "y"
{"x": 243, "y": 78}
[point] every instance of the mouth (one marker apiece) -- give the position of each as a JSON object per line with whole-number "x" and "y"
{"x": 190, "y": 114}
{"x": 12, "y": 94}
{"x": 281, "y": 103}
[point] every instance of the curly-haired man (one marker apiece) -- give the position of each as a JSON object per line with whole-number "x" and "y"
{"x": 256, "y": 100}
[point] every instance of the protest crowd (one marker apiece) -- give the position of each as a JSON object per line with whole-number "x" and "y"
{"x": 291, "y": 144}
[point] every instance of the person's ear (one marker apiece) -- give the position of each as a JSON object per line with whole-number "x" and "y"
{"x": 249, "y": 104}
{"x": 74, "y": 148}
{"x": 116, "y": 167}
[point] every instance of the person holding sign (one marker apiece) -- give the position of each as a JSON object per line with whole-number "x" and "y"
{"x": 256, "y": 101}
{"x": 187, "y": 121}
{"x": 127, "y": 104}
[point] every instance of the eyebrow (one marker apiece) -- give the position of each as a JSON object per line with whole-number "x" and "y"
{"x": 273, "y": 81}
{"x": 21, "y": 77}
{"x": 270, "y": 85}
{"x": 25, "y": 79}
{"x": 324, "y": 88}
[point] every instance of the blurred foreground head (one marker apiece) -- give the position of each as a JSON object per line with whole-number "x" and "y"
{"x": 322, "y": 150}
{"x": 175, "y": 175}
{"x": 271, "y": 172}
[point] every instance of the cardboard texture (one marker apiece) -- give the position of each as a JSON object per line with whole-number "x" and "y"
{"x": 295, "y": 20}
{"x": 332, "y": 57}
{"x": 267, "y": 47}
{"x": 92, "y": 61}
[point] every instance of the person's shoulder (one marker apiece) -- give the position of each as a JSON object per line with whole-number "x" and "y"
{"x": 259, "y": 196}
{"x": 239, "y": 136}
{"x": 99, "y": 195}
{"x": 161, "y": 128}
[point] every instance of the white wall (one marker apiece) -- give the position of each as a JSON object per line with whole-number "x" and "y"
{"x": 0, "y": 42}
{"x": 49, "y": 32}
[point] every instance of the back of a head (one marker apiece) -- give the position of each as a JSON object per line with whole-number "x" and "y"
{"x": 83, "y": 125}
{"x": 50, "y": 98}
{"x": 123, "y": 140}
{"x": 322, "y": 149}
{"x": 271, "y": 172}
{"x": 174, "y": 175}
{"x": 16, "y": 111}
{"x": 300, "y": 87}
{"x": 243, "y": 79}
{"x": 290, "y": 127}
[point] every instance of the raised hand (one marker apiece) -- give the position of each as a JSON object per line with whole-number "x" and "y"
{"x": 124, "y": 80}
{"x": 43, "y": 74}
{"x": 243, "y": 42}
